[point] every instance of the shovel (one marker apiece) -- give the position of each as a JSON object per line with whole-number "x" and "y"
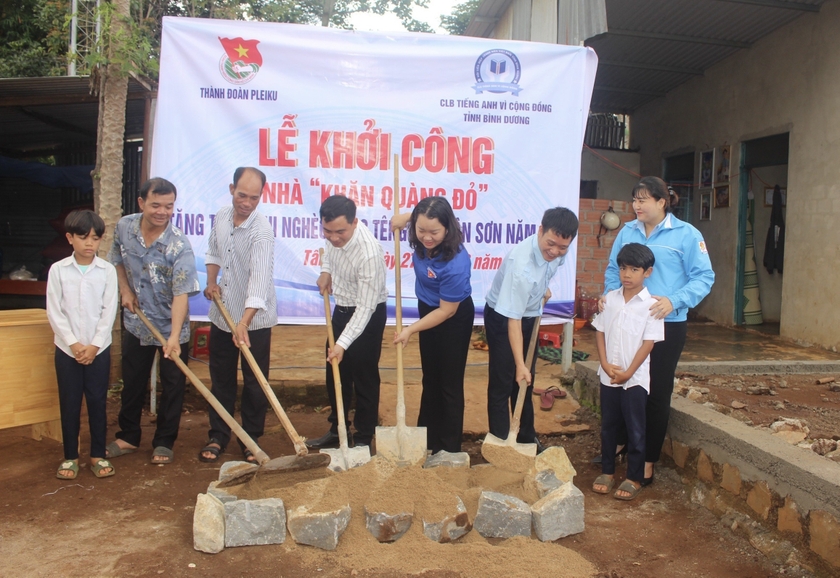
{"x": 266, "y": 464}
{"x": 508, "y": 454}
{"x": 303, "y": 461}
{"x": 344, "y": 457}
{"x": 402, "y": 445}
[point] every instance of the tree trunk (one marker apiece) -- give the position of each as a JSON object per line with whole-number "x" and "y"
{"x": 108, "y": 172}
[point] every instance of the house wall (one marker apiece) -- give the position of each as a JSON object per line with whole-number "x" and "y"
{"x": 603, "y": 166}
{"x": 787, "y": 82}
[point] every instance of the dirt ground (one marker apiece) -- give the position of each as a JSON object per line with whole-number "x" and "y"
{"x": 139, "y": 523}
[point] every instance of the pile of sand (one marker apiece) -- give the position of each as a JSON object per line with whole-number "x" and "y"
{"x": 430, "y": 494}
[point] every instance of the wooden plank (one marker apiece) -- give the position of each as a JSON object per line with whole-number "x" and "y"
{"x": 12, "y": 287}
{"x": 47, "y": 429}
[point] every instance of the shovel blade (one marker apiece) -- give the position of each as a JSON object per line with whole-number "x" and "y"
{"x": 282, "y": 465}
{"x": 342, "y": 459}
{"x": 403, "y": 446}
{"x": 508, "y": 455}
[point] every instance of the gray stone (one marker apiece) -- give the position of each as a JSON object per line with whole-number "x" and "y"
{"x": 450, "y": 528}
{"x": 445, "y": 459}
{"x": 221, "y": 493}
{"x": 209, "y": 524}
{"x": 255, "y": 522}
{"x": 501, "y": 516}
{"x": 559, "y": 514}
{"x": 231, "y": 470}
{"x": 546, "y": 482}
{"x": 319, "y": 529}
{"x": 388, "y": 527}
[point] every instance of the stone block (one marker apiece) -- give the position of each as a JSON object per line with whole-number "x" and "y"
{"x": 556, "y": 460}
{"x": 825, "y": 536}
{"x": 680, "y": 451}
{"x": 760, "y": 499}
{"x": 388, "y": 527}
{"x": 731, "y": 479}
{"x": 789, "y": 518}
{"x": 450, "y": 528}
{"x": 546, "y": 482}
{"x": 501, "y": 516}
{"x": 221, "y": 493}
{"x": 319, "y": 529}
{"x": 255, "y": 522}
{"x": 704, "y": 468}
{"x": 559, "y": 514}
{"x": 448, "y": 460}
{"x": 231, "y": 470}
{"x": 209, "y": 524}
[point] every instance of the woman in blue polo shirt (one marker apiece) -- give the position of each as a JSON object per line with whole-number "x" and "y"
{"x": 681, "y": 278}
{"x": 442, "y": 271}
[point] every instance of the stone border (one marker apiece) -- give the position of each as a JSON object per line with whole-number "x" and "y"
{"x": 787, "y": 489}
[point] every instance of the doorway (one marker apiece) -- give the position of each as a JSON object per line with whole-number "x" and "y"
{"x": 764, "y": 164}
{"x": 678, "y": 172}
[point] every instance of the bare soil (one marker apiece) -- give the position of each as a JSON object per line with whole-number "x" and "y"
{"x": 797, "y": 396}
{"x": 139, "y": 522}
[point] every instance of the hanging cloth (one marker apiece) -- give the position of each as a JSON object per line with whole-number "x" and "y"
{"x": 752, "y": 300}
{"x": 774, "y": 247}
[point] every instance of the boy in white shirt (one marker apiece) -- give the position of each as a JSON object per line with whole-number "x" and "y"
{"x": 626, "y": 334}
{"x": 81, "y": 307}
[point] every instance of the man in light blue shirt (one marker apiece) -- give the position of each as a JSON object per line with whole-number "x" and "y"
{"x": 514, "y": 303}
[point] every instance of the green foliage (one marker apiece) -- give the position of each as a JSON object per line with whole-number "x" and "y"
{"x": 456, "y": 23}
{"x": 35, "y": 37}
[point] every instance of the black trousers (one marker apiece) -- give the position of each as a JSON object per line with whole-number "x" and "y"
{"x": 443, "y": 358}
{"x": 74, "y": 381}
{"x": 502, "y": 389}
{"x": 663, "y": 365}
{"x": 623, "y": 410}
{"x": 137, "y": 369}
{"x": 359, "y": 373}
{"x": 224, "y": 359}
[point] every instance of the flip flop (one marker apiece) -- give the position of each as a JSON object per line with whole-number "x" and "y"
{"x": 67, "y": 465}
{"x": 603, "y": 480}
{"x": 113, "y": 450}
{"x": 100, "y": 465}
{"x": 627, "y": 486}
{"x": 215, "y": 451}
{"x": 546, "y": 401}
{"x": 553, "y": 390}
{"x": 162, "y": 452}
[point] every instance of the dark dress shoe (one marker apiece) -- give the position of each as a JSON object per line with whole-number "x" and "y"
{"x": 540, "y": 447}
{"x": 328, "y": 440}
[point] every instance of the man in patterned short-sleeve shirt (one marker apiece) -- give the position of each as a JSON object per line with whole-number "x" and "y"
{"x": 156, "y": 273}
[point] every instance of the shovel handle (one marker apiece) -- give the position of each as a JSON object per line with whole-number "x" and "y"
{"x": 259, "y": 455}
{"x": 523, "y": 385}
{"x": 339, "y": 400}
{"x": 300, "y": 447}
{"x": 398, "y": 300}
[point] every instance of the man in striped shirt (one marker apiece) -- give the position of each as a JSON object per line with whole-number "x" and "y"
{"x": 353, "y": 270}
{"x": 241, "y": 248}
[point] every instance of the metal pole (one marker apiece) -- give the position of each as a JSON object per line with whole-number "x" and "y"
{"x": 568, "y": 343}
{"x": 74, "y": 22}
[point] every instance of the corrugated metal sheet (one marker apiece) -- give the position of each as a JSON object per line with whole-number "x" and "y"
{"x": 691, "y": 35}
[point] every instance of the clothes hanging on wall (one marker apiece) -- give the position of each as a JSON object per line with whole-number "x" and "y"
{"x": 774, "y": 247}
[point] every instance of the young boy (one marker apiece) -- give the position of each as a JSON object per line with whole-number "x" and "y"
{"x": 81, "y": 307}
{"x": 626, "y": 334}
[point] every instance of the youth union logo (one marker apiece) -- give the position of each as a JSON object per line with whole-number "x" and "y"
{"x": 241, "y": 61}
{"x": 497, "y": 71}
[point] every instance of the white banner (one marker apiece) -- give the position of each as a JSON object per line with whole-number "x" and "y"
{"x": 495, "y": 126}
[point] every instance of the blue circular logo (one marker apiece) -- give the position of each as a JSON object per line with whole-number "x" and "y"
{"x": 498, "y": 71}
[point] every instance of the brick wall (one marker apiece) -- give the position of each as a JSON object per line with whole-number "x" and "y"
{"x": 591, "y": 258}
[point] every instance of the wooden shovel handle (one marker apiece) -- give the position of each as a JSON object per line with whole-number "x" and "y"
{"x": 259, "y": 455}
{"x": 523, "y": 385}
{"x": 300, "y": 447}
{"x": 398, "y": 299}
{"x": 339, "y": 400}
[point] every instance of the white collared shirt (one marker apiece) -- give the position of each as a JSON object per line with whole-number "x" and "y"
{"x": 625, "y": 327}
{"x": 358, "y": 279}
{"x": 82, "y": 306}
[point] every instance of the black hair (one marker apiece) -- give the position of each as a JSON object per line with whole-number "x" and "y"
{"x": 237, "y": 174}
{"x": 157, "y": 186}
{"x": 81, "y": 222}
{"x": 635, "y": 255}
{"x": 657, "y": 189}
{"x": 561, "y": 221}
{"x": 440, "y": 209}
{"x": 338, "y": 206}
